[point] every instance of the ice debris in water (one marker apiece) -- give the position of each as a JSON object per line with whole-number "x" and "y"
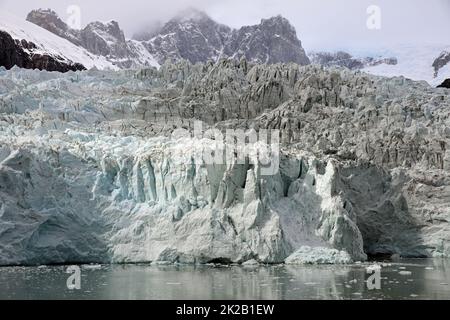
{"x": 251, "y": 262}
{"x": 319, "y": 255}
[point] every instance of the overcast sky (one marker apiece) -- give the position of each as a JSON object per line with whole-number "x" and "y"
{"x": 320, "y": 24}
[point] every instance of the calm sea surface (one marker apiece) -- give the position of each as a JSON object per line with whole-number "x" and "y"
{"x": 408, "y": 279}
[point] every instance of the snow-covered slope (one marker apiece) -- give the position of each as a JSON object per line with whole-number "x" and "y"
{"x": 414, "y": 62}
{"x": 104, "y": 39}
{"x": 49, "y": 44}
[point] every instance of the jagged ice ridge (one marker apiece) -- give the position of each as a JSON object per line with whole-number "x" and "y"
{"x": 88, "y": 169}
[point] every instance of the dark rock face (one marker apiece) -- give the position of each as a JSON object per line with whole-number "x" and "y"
{"x": 10, "y": 53}
{"x": 273, "y": 41}
{"x": 104, "y": 39}
{"x": 194, "y": 36}
{"x": 20, "y": 53}
{"x": 49, "y": 20}
{"x": 344, "y": 59}
{"x": 445, "y": 84}
{"x": 440, "y": 62}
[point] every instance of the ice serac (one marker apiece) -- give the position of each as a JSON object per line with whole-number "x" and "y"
{"x": 91, "y": 171}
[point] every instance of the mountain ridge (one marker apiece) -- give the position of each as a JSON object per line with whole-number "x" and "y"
{"x": 190, "y": 35}
{"x": 36, "y": 48}
{"x": 194, "y": 36}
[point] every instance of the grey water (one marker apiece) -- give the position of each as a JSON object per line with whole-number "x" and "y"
{"x": 408, "y": 279}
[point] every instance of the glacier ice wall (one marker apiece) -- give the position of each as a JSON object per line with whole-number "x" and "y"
{"x": 126, "y": 200}
{"x": 89, "y": 170}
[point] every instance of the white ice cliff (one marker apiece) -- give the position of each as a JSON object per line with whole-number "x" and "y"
{"x": 90, "y": 170}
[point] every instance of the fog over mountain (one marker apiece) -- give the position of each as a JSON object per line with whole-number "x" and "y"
{"x": 324, "y": 24}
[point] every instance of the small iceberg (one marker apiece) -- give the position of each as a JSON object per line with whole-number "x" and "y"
{"x": 318, "y": 255}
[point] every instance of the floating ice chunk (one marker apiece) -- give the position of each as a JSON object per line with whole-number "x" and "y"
{"x": 319, "y": 255}
{"x": 161, "y": 263}
{"x": 251, "y": 263}
{"x": 395, "y": 257}
{"x": 92, "y": 266}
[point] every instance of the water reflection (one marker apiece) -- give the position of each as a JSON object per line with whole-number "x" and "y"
{"x": 410, "y": 279}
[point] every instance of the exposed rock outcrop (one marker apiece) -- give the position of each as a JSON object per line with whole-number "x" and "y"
{"x": 440, "y": 62}
{"x": 102, "y": 39}
{"x": 49, "y": 20}
{"x": 274, "y": 40}
{"x": 191, "y": 35}
{"x": 346, "y": 60}
{"x": 22, "y": 54}
{"x": 445, "y": 84}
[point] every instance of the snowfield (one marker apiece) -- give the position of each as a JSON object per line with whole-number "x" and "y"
{"x": 414, "y": 62}
{"x": 48, "y": 43}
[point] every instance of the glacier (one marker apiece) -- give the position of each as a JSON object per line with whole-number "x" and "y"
{"x": 91, "y": 172}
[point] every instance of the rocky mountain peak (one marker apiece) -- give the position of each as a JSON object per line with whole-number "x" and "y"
{"x": 109, "y": 31}
{"x": 194, "y": 36}
{"x": 273, "y": 40}
{"x": 47, "y": 17}
{"x": 49, "y": 20}
{"x": 191, "y": 15}
{"x": 281, "y": 26}
{"x": 104, "y": 39}
{"x": 193, "y": 20}
{"x": 277, "y": 20}
{"x": 191, "y": 34}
